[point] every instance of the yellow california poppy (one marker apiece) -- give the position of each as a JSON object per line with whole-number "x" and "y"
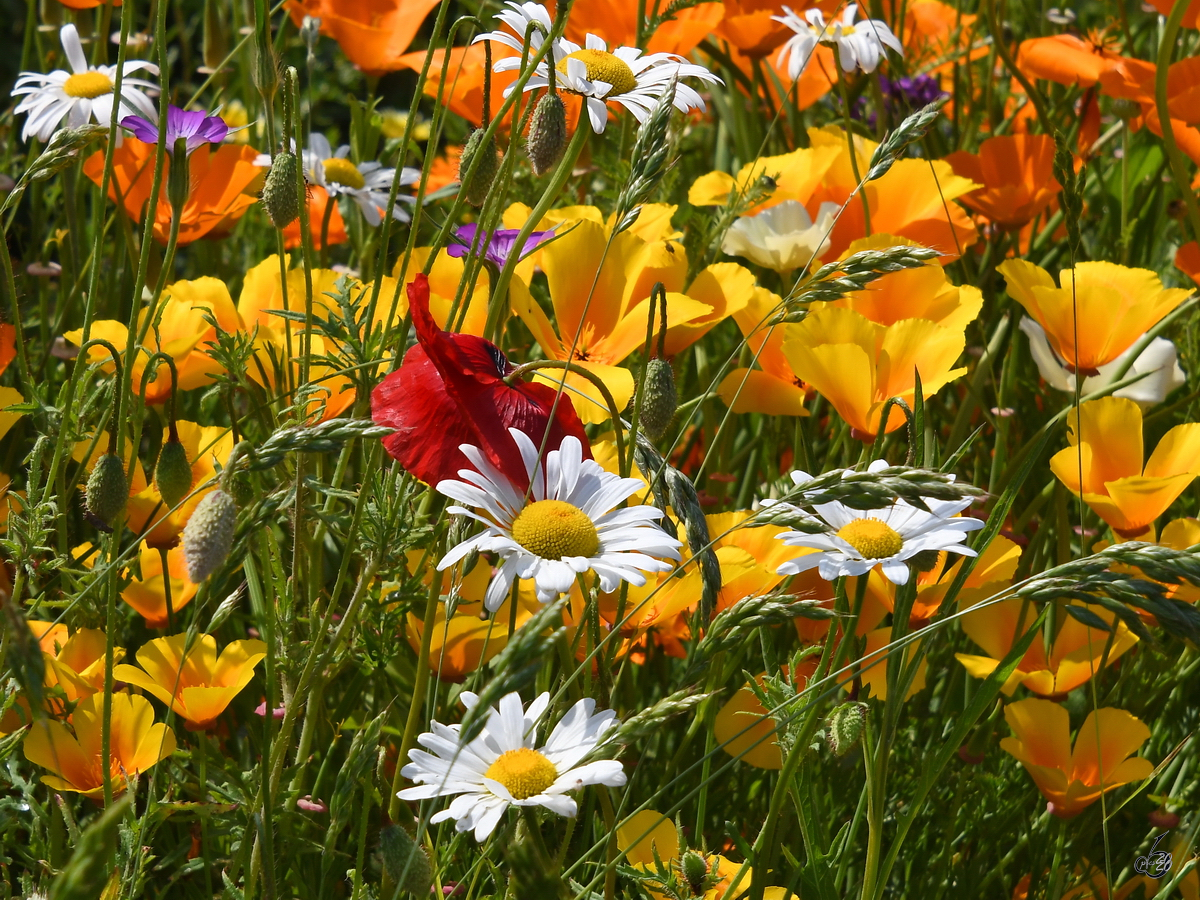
{"x": 1106, "y": 450}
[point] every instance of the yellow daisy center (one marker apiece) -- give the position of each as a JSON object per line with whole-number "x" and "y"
{"x": 342, "y": 171}
{"x": 524, "y": 772}
{"x": 88, "y": 85}
{"x": 553, "y": 529}
{"x": 872, "y": 538}
{"x": 603, "y": 66}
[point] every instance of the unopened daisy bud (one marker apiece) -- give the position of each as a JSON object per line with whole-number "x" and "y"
{"x": 173, "y": 473}
{"x": 694, "y": 867}
{"x": 475, "y": 192}
{"x": 659, "y": 399}
{"x": 208, "y": 535}
{"x": 547, "y": 134}
{"x": 844, "y": 727}
{"x": 280, "y": 197}
{"x": 405, "y": 861}
{"x": 107, "y": 491}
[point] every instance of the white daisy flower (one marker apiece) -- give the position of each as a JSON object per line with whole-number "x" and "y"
{"x": 1159, "y": 362}
{"x": 503, "y": 767}
{"x": 859, "y": 46}
{"x": 84, "y": 93}
{"x": 623, "y": 75}
{"x": 367, "y": 184}
{"x": 859, "y": 540}
{"x": 783, "y": 237}
{"x": 570, "y": 523}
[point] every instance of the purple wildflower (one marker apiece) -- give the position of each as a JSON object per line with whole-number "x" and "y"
{"x": 902, "y": 97}
{"x": 197, "y": 127}
{"x": 498, "y": 247}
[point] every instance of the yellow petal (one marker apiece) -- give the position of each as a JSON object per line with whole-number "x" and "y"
{"x": 749, "y": 390}
{"x": 643, "y": 833}
{"x": 588, "y": 401}
{"x": 746, "y": 731}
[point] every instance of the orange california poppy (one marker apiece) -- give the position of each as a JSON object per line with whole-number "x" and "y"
{"x": 198, "y": 685}
{"x": 616, "y": 22}
{"x": 1133, "y": 79}
{"x": 458, "y": 75}
{"x": 1073, "y": 779}
{"x": 1106, "y": 450}
{"x": 374, "y": 34}
{"x": 773, "y": 387}
{"x": 1074, "y": 657}
{"x": 223, "y": 186}
{"x": 1190, "y": 17}
{"x": 137, "y": 743}
{"x": 88, "y": 4}
{"x": 1187, "y": 260}
{"x": 1106, "y": 306}
{"x": 147, "y": 594}
{"x": 874, "y": 674}
{"x": 1017, "y": 174}
{"x": 1066, "y": 59}
{"x": 935, "y": 35}
{"x": 318, "y": 200}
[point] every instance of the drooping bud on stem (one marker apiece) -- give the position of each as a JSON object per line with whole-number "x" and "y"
{"x": 547, "y": 130}
{"x": 107, "y": 490}
{"x": 480, "y": 152}
{"x": 280, "y": 198}
{"x": 173, "y": 472}
{"x": 659, "y": 399}
{"x": 208, "y": 535}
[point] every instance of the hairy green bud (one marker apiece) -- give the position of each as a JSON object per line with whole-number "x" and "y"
{"x": 405, "y": 861}
{"x": 280, "y": 197}
{"x": 475, "y": 191}
{"x": 694, "y": 868}
{"x": 107, "y": 491}
{"x": 173, "y": 473}
{"x": 208, "y": 535}
{"x": 659, "y": 399}
{"x": 845, "y": 726}
{"x": 547, "y": 134}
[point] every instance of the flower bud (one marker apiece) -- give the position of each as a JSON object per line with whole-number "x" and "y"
{"x": 179, "y": 181}
{"x": 659, "y": 399}
{"x": 844, "y": 727}
{"x": 107, "y": 491}
{"x": 694, "y": 868}
{"x": 208, "y": 535}
{"x": 547, "y": 134}
{"x": 215, "y": 40}
{"x": 405, "y": 861}
{"x": 476, "y": 191}
{"x": 924, "y": 561}
{"x": 280, "y": 197}
{"x": 173, "y": 473}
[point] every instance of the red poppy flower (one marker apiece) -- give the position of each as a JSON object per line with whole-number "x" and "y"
{"x": 450, "y": 390}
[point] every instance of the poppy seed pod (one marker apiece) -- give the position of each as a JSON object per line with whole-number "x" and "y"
{"x": 208, "y": 535}
{"x": 280, "y": 198}
{"x": 405, "y": 861}
{"x": 477, "y": 189}
{"x": 107, "y": 490}
{"x": 547, "y": 134}
{"x": 659, "y": 399}
{"x": 844, "y": 727}
{"x": 173, "y": 473}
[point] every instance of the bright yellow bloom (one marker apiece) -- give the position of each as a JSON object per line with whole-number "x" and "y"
{"x": 199, "y": 686}
{"x": 858, "y": 365}
{"x": 1108, "y": 306}
{"x": 77, "y": 666}
{"x": 1072, "y": 779}
{"x": 9, "y": 397}
{"x": 647, "y": 832}
{"x": 1074, "y": 656}
{"x": 136, "y": 745}
{"x": 796, "y": 175}
{"x": 772, "y": 388}
{"x": 444, "y": 278}
{"x": 1106, "y": 448}
{"x": 746, "y": 730}
{"x": 874, "y": 676}
{"x": 207, "y": 447}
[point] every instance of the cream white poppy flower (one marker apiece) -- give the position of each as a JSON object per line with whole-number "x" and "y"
{"x": 859, "y": 45}
{"x": 505, "y": 767}
{"x": 570, "y": 524}
{"x": 783, "y": 237}
{"x": 623, "y": 75}
{"x": 1159, "y": 362}
{"x": 83, "y": 94}
{"x": 858, "y": 540}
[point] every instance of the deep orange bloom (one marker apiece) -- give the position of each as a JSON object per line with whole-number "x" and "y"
{"x": 1017, "y": 174}
{"x": 935, "y": 34}
{"x": 88, "y": 4}
{"x": 616, "y": 22}
{"x": 1133, "y": 79}
{"x": 318, "y": 199}
{"x": 1073, "y": 779}
{"x": 223, "y": 185}
{"x": 1066, "y": 59}
{"x": 374, "y": 34}
{"x": 136, "y": 745}
{"x": 1190, "y": 18}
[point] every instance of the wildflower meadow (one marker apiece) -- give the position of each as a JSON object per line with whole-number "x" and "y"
{"x": 596, "y": 449}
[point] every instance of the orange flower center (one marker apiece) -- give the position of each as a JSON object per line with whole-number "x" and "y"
{"x": 87, "y": 85}
{"x": 872, "y": 538}
{"x": 342, "y": 171}
{"x": 553, "y": 529}
{"x": 524, "y": 772}
{"x": 603, "y": 66}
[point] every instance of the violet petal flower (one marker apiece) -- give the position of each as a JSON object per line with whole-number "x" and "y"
{"x": 196, "y": 126}
{"x": 498, "y": 246}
